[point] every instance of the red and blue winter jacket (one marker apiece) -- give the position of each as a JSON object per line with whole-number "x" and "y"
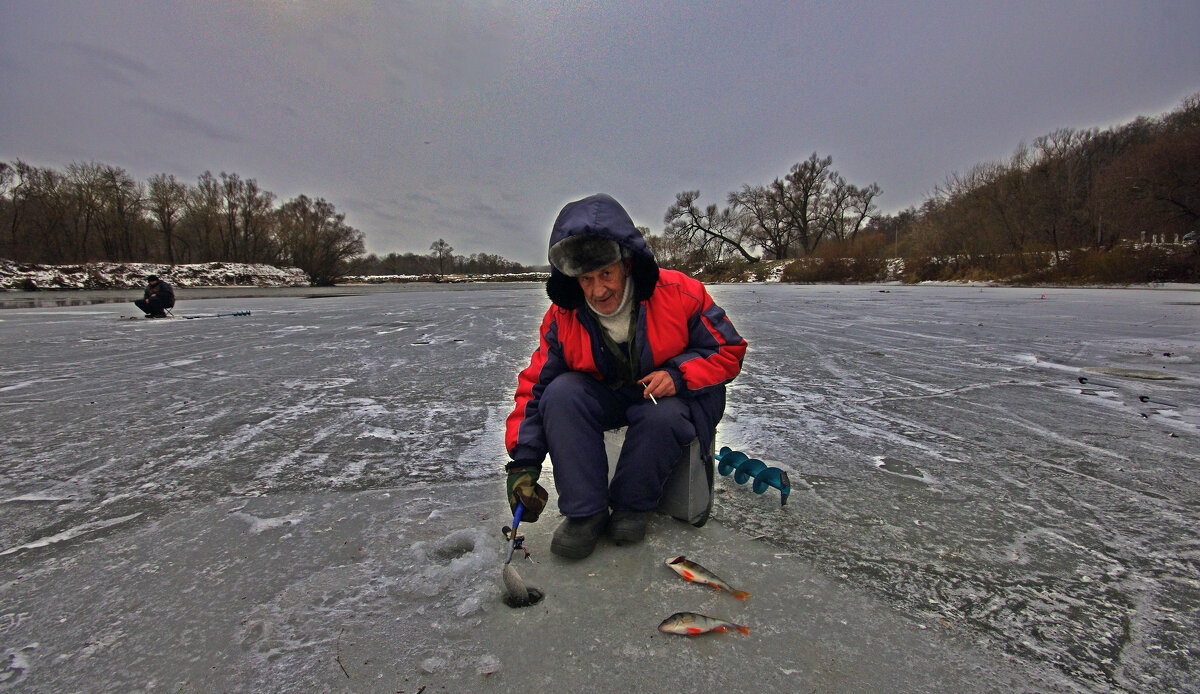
{"x": 679, "y": 330}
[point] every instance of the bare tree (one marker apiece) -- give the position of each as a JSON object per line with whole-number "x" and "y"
{"x": 123, "y": 201}
{"x": 860, "y": 208}
{"x": 315, "y": 238}
{"x": 85, "y": 183}
{"x": 688, "y": 225}
{"x": 203, "y": 219}
{"x": 799, "y": 195}
{"x": 256, "y": 210}
{"x": 767, "y": 226}
{"x": 232, "y": 191}
{"x": 167, "y": 200}
{"x": 442, "y": 253}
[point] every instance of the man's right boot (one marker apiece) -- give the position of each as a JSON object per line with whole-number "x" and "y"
{"x": 575, "y": 538}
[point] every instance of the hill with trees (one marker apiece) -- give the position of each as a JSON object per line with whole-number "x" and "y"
{"x": 1075, "y": 206}
{"x": 92, "y": 212}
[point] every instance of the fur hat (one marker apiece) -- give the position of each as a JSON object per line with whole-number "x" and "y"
{"x": 592, "y": 233}
{"x": 580, "y": 254}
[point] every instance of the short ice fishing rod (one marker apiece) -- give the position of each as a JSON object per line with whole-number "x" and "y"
{"x": 516, "y": 593}
{"x": 515, "y": 540}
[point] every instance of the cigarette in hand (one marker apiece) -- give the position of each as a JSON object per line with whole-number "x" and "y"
{"x": 647, "y": 385}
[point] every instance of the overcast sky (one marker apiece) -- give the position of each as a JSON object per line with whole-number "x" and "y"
{"x": 476, "y": 121}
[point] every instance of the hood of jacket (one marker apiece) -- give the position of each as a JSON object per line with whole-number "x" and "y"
{"x": 602, "y": 216}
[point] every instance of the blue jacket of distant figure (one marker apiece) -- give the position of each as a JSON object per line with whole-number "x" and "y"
{"x": 679, "y": 329}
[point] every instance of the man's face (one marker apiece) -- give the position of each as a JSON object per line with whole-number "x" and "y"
{"x": 604, "y": 288}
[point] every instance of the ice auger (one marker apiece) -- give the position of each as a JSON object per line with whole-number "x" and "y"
{"x": 744, "y": 467}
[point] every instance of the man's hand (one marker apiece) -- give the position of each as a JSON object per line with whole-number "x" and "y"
{"x": 659, "y": 384}
{"x": 523, "y": 488}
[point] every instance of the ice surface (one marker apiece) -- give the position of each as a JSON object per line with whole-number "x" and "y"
{"x": 321, "y": 509}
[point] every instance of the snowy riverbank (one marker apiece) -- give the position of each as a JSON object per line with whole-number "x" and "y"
{"x": 34, "y": 277}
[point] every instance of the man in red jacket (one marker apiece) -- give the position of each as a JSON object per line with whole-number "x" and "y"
{"x": 624, "y": 344}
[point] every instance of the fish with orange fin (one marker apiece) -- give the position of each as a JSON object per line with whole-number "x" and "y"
{"x": 698, "y": 574}
{"x": 691, "y": 624}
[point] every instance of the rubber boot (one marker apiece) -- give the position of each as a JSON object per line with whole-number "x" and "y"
{"x": 628, "y": 527}
{"x": 575, "y": 538}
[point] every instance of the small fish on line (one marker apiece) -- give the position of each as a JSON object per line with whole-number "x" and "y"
{"x": 695, "y": 573}
{"x": 691, "y": 624}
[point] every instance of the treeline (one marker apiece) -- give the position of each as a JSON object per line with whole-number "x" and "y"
{"x": 97, "y": 212}
{"x": 1072, "y": 193}
{"x": 789, "y": 217}
{"x": 439, "y": 261}
{"x": 1075, "y": 205}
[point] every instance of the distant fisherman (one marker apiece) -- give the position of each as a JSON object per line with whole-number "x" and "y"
{"x": 157, "y": 298}
{"x": 625, "y": 344}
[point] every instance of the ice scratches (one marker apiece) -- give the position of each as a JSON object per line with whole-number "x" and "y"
{"x": 1080, "y": 626}
{"x": 71, "y": 533}
{"x": 1047, "y": 434}
{"x": 899, "y": 468}
{"x": 298, "y": 621}
{"x": 386, "y": 434}
{"x": 11, "y": 620}
{"x": 14, "y": 664}
{"x": 313, "y": 383}
{"x": 947, "y": 392}
{"x": 259, "y": 525}
{"x": 1142, "y": 374}
{"x": 43, "y": 498}
{"x": 421, "y": 597}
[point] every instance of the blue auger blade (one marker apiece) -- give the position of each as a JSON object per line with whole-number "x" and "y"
{"x": 744, "y": 467}
{"x": 750, "y": 468}
{"x": 773, "y": 477}
{"x": 728, "y": 460}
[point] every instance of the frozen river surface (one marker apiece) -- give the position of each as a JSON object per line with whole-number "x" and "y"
{"x": 320, "y": 508}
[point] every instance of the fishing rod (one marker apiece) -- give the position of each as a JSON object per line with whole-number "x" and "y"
{"x": 517, "y": 593}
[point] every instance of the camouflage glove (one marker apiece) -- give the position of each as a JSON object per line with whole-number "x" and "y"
{"x": 522, "y": 487}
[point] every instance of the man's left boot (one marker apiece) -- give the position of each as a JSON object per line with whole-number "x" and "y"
{"x": 575, "y": 538}
{"x": 628, "y": 527}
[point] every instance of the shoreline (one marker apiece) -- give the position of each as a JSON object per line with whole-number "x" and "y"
{"x": 59, "y": 298}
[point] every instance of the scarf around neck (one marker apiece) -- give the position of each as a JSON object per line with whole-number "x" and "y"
{"x": 617, "y": 323}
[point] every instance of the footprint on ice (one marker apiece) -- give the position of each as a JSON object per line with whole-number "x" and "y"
{"x": 13, "y": 666}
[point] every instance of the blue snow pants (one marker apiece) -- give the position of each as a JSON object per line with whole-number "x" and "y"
{"x": 577, "y": 410}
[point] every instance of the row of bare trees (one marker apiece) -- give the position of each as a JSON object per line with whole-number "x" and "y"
{"x": 98, "y": 212}
{"x": 439, "y": 261}
{"x": 786, "y": 218}
{"x": 1070, "y": 189}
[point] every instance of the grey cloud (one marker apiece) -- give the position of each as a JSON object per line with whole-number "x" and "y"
{"x": 182, "y": 121}
{"x": 111, "y": 63}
